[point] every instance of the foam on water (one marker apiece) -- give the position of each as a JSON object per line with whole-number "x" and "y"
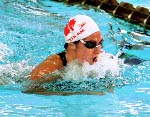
{"x": 13, "y": 73}
{"x": 10, "y": 73}
{"x": 107, "y": 64}
{"x": 4, "y": 52}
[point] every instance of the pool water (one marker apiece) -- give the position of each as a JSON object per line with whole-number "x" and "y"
{"x": 30, "y": 30}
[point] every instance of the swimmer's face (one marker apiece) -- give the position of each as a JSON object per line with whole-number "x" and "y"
{"x": 90, "y": 53}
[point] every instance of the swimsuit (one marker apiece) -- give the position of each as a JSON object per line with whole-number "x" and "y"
{"x": 63, "y": 57}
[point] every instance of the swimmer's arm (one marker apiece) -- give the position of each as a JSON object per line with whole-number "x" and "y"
{"x": 48, "y": 66}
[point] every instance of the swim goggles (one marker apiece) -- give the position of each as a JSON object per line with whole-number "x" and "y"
{"x": 91, "y": 44}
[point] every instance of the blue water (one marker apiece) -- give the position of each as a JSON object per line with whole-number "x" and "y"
{"x": 31, "y": 30}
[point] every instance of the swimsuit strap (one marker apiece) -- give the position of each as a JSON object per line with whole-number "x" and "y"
{"x": 63, "y": 57}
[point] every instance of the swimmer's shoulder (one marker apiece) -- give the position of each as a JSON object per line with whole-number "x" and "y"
{"x": 52, "y": 62}
{"x": 49, "y": 65}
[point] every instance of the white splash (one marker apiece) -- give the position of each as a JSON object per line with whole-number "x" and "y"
{"x": 14, "y": 72}
{"x": 73, "y": 71}
{"x": 4, "y": 52}
{"x": 107, "y": 65}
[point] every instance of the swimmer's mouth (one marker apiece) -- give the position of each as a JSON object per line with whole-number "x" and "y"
{"x": 95, "y": 59}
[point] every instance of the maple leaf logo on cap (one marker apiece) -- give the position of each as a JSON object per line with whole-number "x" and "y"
{"x": 79, "y": 27}
{"x": 69, "y": 26}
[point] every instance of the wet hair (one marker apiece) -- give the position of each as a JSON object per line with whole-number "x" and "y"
{"x": 66, "y": 44}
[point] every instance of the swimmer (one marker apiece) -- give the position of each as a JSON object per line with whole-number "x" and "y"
{"x": 83, "y": 42}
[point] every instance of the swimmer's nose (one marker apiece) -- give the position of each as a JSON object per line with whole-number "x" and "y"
{"x": 97, "y": 50}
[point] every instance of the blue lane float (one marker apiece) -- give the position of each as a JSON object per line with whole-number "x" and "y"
{"x": 124, "y": 10}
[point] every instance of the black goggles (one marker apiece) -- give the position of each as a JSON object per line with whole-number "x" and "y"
{"x": 91, "y": 44}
